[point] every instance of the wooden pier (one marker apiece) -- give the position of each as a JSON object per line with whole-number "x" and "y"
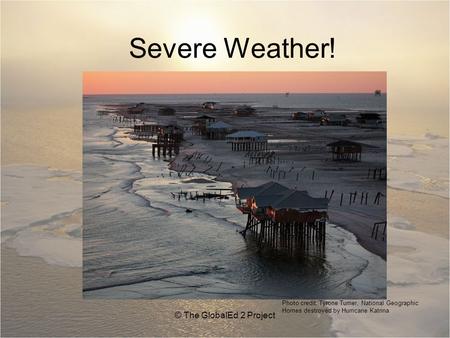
{"x": 202, "y": 196}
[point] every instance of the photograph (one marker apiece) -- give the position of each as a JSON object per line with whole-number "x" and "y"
{"x": 234, "y": 185}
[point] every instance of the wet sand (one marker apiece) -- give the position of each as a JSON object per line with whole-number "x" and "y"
{"x": 428, "y": 220}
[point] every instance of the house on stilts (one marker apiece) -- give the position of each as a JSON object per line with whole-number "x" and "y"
{"x": 218, "y": 130}
{"x": 344, "y": 150}
{"x": 201, "y": 124}
{"x": 283, "y": 219}
{"x": 247, "y": 140}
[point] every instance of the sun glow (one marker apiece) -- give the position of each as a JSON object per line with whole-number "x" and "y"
{"x": 197, "y": 27}
{"x": 200, "y": 27}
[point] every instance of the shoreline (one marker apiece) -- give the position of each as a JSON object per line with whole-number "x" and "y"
{"x": 394, "y": 195}
{"x": 177, "y": 163}
{"x": 338, "y": 238}
{"x": 298, "y": 151}
{"x": 341, "y": 222}
{"x": 424, "y": 220}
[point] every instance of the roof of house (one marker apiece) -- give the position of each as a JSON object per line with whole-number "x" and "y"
{"x": 267, "y": 188}
{"x": 246, "y": 134}
{"x": 166, "y": 109}
{"x": 220, "y": 125}
{"x": 244, "y": 110}
{"x": 279, "y": 196}
{"x": 204, "y": 117}
{"x": 297, "y": 200}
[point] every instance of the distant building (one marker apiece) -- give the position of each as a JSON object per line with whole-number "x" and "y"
{"x": 244, "y": 111}
{"x": 369, "y": 120}
{"x": 299, "y": 115}
{"x": 335, "y": 120}
{"x": 313, "y": 116}
{"x": 209, "y": 105}
{"x": 205, "y": 119}
{"x": 147, "y": 131}
{"x": 247, "y": 140}
{"x": 344, "y": 150}
{"x": 166, "y": 111}
{"x": 316, "y": 115}
{"x": 218, "y": 130}
{"x": 201, "y": 123}
{"x": 137, "y": 109}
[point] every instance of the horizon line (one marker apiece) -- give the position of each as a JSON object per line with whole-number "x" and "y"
{"x": 230, "y": 93}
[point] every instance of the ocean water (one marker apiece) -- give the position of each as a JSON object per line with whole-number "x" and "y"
{"x": 140, "y": 243}
{"x": 299, "y": 101}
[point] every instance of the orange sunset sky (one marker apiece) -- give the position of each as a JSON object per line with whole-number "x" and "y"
{"x": 97, "y": 83}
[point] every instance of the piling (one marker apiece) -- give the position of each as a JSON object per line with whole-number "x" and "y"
{"x": 293, "y": 237}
